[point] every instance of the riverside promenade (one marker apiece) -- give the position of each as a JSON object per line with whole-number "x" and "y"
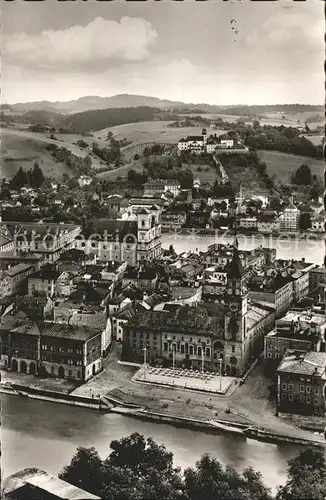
{"x": 246, "y": 405}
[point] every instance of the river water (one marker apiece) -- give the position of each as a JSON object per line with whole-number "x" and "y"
{"x": 46, "y": 435}
{"x": 311, "y": 248}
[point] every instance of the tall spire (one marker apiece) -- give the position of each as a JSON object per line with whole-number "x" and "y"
{"x": 235, "y": 270}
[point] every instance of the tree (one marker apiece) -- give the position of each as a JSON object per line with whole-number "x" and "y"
{"x": 19, "y": 180}
{"x": 209, "y": 480}
{"x": 65, "y": 177}
{"x": 136, "y": 469}
{"x": 36, "y": 177}
{"x": 306, "y": 477}
{"x": 302, "y": 176}
{"x": 85, "y": 470}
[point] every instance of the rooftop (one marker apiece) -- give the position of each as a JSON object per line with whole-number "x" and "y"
{"x": 184, "y": 319}
{"x": 305, "y": 363}
{"x": 47, "y": 482}
{"x": 65, "y": 331}
{"x": 18, "y": 268}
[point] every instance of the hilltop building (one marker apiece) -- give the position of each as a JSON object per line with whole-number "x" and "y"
{"x": 194, "y": 143}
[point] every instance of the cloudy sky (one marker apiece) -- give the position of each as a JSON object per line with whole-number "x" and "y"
{"x": 183, "y": 51}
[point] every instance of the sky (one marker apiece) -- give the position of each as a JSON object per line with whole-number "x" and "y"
{"x": 214, "y": 52}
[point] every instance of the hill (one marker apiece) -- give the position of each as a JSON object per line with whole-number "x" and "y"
{"x": 19, "y": 151}
{"x": 283, "y": 165}
{"x": 88, "y": 103}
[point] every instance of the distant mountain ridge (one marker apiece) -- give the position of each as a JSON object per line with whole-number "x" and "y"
{"x": 91, "y": 103}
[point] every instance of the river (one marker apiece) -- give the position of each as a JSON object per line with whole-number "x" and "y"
{"x": 311, "y": 248}
{"x": 46, "y": 435}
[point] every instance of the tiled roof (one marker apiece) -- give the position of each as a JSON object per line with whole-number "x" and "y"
{"x": 18, "y": 268}
{"x": 43, "y": 481}
{"x": 111, "y": 227}
{"x": 61, "y": 330}
{"x": 184, "y": 319}
{"x": 305, "y": 363}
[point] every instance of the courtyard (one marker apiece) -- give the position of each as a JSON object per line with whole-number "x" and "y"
{"x": 184, "y": 379}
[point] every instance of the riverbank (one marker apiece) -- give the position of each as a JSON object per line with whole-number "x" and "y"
{"x": 111, "y": 404}
{"x": 222, "y": 232}
{"x": 217, "y": 426}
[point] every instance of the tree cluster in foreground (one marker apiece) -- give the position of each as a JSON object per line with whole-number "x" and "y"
{"x": 140, "y": 469}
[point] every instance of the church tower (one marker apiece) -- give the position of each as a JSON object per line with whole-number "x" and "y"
{"x": 236, "y": 300}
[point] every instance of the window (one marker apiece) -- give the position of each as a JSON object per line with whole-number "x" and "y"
{"x": 182, "y": 348}
{"x": 290, "y": 387}
{"x": 269, "y": 354}
{"x": 283, "y": 396}
{"x": 284, "y": 387}
{"x": 302, "y": 388}
{"x": 301, "y": 399}
{"x": 308, "y": 388}
{"x": 199, "y": 350}
{"x": 290, "y": 397}
{"x": 316, "y": 392}
{"x": 233, "y": 348}
{"x": 308, "y": 399}
{"x": 191, "y": 350}
{"x": 208, "y": 352}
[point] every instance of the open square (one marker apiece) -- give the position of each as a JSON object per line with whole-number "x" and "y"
{"x": 184, "y": 379}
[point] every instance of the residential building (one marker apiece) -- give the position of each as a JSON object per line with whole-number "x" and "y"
{"x": 247, "y": 222}
{"x": 46, "y": 239}
{"x": 318, "y": 222}
{"x": 289, "y": 218}
{"x": 268, "y": 224}
{"x": 226, "y": 143}
{"x": 173, "y": 221}
{"x": 301, "y": 384}
{"x": 277, "y": 290}
{"x": 12, "y": 278}
{"x": 298, "y": 330}
{"x": 172, "y": 186}
{"x": 90, "y": 316}
{"x": 317, "y": 277}
{"x": 44, "y": 280}
{"x": 144, "y": 277}
{"x": 120, "y": 318}
{"x": 50, "y": 349}
{"x": 6, "y": 243}
{"x": 84, "y": 180}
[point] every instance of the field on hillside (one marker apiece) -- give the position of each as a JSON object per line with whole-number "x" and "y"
{"x": 315, "y": 139}
{"x": 21, "y": 147}
{"x": 204, "y": 176}
{"x": 284, "y": 165}
{"x": 122, "y": 172}
{"x": 156, "y": 131}
{"x": 273, "y": 119}
{"x": 17, "y": 151}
